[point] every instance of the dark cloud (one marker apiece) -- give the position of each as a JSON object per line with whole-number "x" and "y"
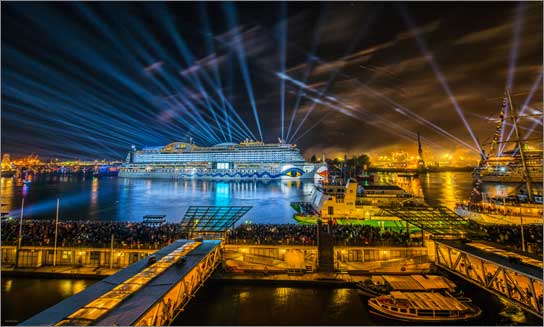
{"x": 102, "y": 76}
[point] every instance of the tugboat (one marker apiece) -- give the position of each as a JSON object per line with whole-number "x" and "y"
{"x": 422, "y": 307}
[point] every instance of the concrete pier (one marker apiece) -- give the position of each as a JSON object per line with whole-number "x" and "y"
{"x": 289, "y": 259}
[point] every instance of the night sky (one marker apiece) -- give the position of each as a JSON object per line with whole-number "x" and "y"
{"x": 88, "y": 80}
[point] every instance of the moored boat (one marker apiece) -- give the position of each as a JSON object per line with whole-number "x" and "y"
{"x": 383, "y": 284}
{"x": 422, "y": 307}
{"x": 501, "y": 212}
{"x": 354, "y": 203}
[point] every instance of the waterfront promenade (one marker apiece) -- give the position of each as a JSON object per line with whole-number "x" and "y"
{"x": 137, "y": 235}
{"x": 85, "y": 247}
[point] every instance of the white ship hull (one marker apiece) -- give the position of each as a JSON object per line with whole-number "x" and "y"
{"x": 502, "y": 179}
{"x": 227, "y": 161}
{"x": 307, "y": 172}
{"x": 486, "y": 218}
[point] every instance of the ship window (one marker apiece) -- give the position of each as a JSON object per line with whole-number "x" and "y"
{"x": 403, "y": 310}
{"x": 413, "y": 311}
{"x": 394, "y": 309}
{"x": 222, "y": 165}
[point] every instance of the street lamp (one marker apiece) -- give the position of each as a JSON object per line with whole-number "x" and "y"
{"x": 20, "y": 234}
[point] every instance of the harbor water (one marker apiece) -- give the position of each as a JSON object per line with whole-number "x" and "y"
{"x": 234, "y": 304}
{"x": 125, "y": 199}
{"x": 219, "y": 303}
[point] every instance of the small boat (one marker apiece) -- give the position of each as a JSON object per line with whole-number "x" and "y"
{"x": 383, "y": 284}
{"x": 369, "y": 288}
{"x": 422, "y": 307}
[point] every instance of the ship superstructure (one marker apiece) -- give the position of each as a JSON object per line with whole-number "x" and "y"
{"x": 522, "y": 164}
{"x": 520, "y": 167}
{"x": 246, "y": 160}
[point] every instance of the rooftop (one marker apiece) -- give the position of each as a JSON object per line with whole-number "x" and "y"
{"x": 213, "y": 219}
{"x": 382, "y": 187}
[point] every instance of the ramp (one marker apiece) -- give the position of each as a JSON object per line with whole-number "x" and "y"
{"x": 511, "y": 276}
{"x": 141, "y": 294}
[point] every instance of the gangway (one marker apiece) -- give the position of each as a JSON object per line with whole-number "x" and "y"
{"x": 509, "y": 275}
{"x": 146, "y": 293}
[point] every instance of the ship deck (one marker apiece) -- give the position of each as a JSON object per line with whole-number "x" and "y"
{"x": 415, "y": 282}
{"x": 429, "y": 301}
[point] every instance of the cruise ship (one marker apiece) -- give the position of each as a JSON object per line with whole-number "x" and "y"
{"x": 247, "y": 160}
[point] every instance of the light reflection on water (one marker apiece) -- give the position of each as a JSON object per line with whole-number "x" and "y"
{"x": 446, "y": 188}
{"x": 234, "y": 304}
{"x": 24, "y": 297}
{"x": 131, "y": 199}
{"x": 69, "y": 287}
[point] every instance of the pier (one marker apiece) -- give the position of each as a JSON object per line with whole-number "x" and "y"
{"x": 141, "y": 291}
{"x": 163, "y": 296}
{"x": 97, "y": 258}
{"x": 140, "y": 294}
{"x": 351, "y": 163}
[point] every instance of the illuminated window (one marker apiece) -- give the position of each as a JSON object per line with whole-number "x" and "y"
{"x": 222, "y": 165}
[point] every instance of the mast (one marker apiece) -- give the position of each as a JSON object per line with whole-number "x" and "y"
{"x": 514, "y": 116}
{"x": 500, "y": 125}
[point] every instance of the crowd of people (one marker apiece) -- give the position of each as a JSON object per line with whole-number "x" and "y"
{"x": 141, "y": 235}
{"x": 273, "y": 234}
{"x": 510, "y": 235}
{"x": 355, "y": 235}
{"x": 498, "y": 209}
{"x": 90, "y": 234}
{"x": 360, "y": 235}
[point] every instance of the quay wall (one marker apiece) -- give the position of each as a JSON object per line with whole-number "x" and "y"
{"x": 236, "y": 258}
{"x": 304, "y": 259}
{"x": 39, "y": 256}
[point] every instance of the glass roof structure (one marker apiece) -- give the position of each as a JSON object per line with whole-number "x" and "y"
{"x": 436, "y": 220}
{"x": 212, "y": 219}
